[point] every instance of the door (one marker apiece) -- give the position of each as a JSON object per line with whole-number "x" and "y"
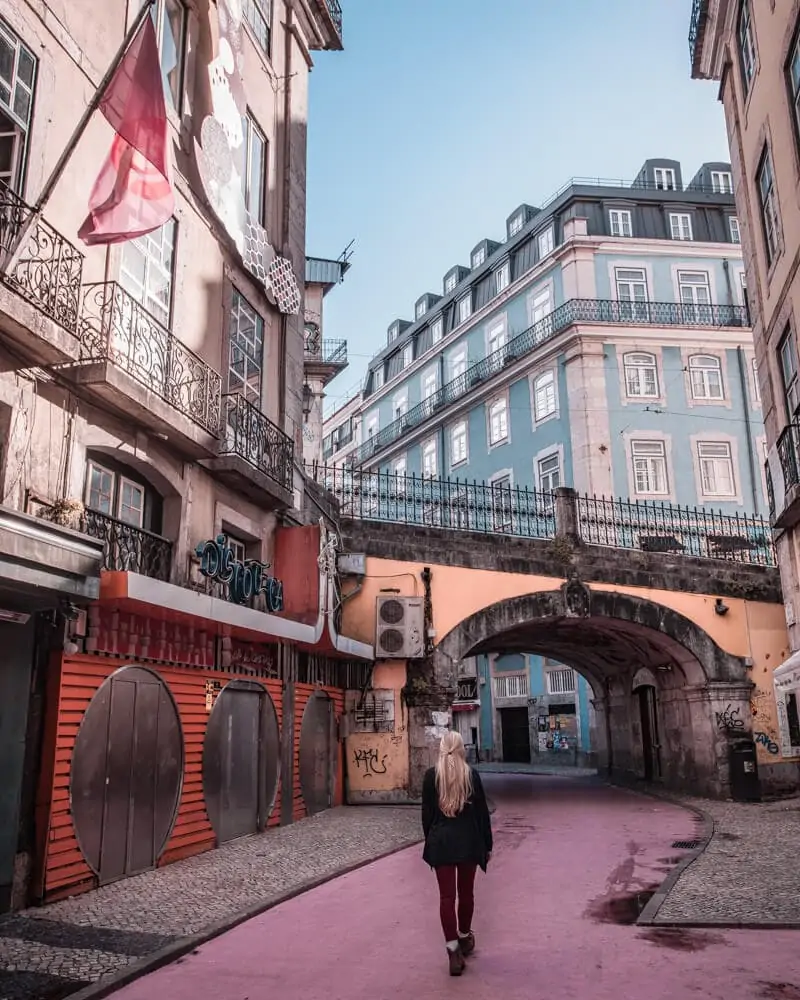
{"x": 516, "y": 735}
{"x": 317, "y": 753}
{"x": 650, "y": 742}
{"x": 127, "y": 769}
{"x": 240, "y": 760}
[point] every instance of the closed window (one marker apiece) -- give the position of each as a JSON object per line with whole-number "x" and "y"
{"x": 437, "y": 329}
{"x": 464, "y": 308}
{"x": 422, "y": 308}
{"x": 620, "y": 221}
{"x": 787, "y": 352}
{"x": 18, "y": 68}
{"x": 793, "y": 73}
{"x": 705, "y": 377}
{"x": 695, "y": 295}
{"x": 430, "y": 383}
{"x": 631, "y": 292}
{"x": 169, "y": 18}
{"x": 649, "y": 462}
{"x": 450, "y": 283}
{"x": 377, "y": 379}
{"x": 400, "y": 405}
{"x": 546, "y": 242}
{"x": 516, "y": 224}
{"x": 257, "y": 13}
{"x": 664, "y": 178}
{"x": 561, "y": 681}
{"x": 246, "y": 351}
{"x": 114, "y": 494}
{"x": 544, "y": 396}
{"x": 457, "y": 363}
{"x": 680, "y": 225}
{"x": 146, "y": 270}
{"x": 254, "y": 179}
{"x": 498, "y": 421}
{"x": 747, "y": 44}
{"x": 408, "y": 354}
{"x": 495, "y": 337}
{"x": 641, "y": 376}
{"x": 540, "y": 305}
{"x": 721, "y": 182}
{"x": 429, "y": 458}
{"x": 733, "y": 223}
{"x": 478, "y": 257}
{"x": 372, "y": 424}
{"x": 394, "y": 332}
{"x": 716, "y": 469}
{"x": 502, "y": 277}
{"x": 768, "y": 201}
{"x": 502, "y": 504}
{"x": 548, "y": 473}
{"x": 458, "y": 443}
{"x": 399, "y": 466}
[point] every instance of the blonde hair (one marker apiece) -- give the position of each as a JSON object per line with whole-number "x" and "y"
{"x": 453, "y": 775}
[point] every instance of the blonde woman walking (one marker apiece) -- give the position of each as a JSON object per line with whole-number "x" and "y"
{"x": 458, "y": 840}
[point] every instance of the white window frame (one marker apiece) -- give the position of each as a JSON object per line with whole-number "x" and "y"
{"x": 746, "y": 44}
{"x": 478, "y": 258}
{"x": 497, "y": 421}
{"x": 400, "y": 404}
{"x": 125, "y": 481}
{"x": 648, "y": 458}
{"x": 422, "y": 308}
{"x": 430, "y": 459}
{"x": 464, "y": 308}
{"x": 734, "y": 229}
{"x": 701, "y": 383}
{"x": 372, "y": 425}
{"x": 400, "y": 465}
{"x": 93, "y": 464}
{"x": 680, "y": 226}
{"x": 694, "y": 295}
{"x": 394, "y": 332}
{"x": 756, "y": 386}
{"x": 545, "y": 383}
{"x": 546, "y": 242}
{"x": 790, "y": 372}
{"x": 450, "y": 283}
{"x": 632, "y": 307}
{"x": 457, "y": 362}
{"x": 158, "y": 251}
{"x": 377, "y": 378}
{"x": 568, "y": 683}
{"x": 544, "y": 476}
{"x": 430, "y": 383}
{"x": 501, "y": 485}
{"x": 408, "y": 354}
{"x": 665, "y": 179}
{"x": 541, "y": 304}
{"x": 620, "y": 221}
{"x": 636, "y": 366}
{"x": 496, "y": 336}
{"x": 502, "y": 277}
{"x": 768, "y": 205}
{"x": 721, "y": 182}
{"x": 459, "y": 444}
{"x": 437, "y": 330}
{"x": 711, "y": 457}
{"x": 516, "y": 224}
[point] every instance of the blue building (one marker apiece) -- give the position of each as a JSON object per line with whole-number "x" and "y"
{"x": 603, "y": 344}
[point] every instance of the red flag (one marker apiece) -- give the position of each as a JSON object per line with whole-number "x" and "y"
{"x": 133, "y": 193}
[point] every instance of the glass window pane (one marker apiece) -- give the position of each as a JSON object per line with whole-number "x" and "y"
{"x": 22, "y": 104}
{"x": 7, "y": 54}
{"x": 258, "y": 167}
{"x": 25, "y": 68}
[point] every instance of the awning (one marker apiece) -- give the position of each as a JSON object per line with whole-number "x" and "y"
{"x": 787, "y": 675}
{"x": 465, "y": 706}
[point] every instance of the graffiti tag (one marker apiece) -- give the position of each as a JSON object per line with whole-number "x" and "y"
{"x": 368, "y": 759}
{"x": 729, "y": 719}
{"x": 766, "y": 742}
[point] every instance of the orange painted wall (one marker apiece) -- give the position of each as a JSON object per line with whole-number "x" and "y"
{"x": 302, "y": 693}
{"x": 65, "y": 871}
{"x": 295, "y": 564}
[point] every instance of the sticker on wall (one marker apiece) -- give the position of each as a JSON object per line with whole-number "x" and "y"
{"x": 220, "y": 158}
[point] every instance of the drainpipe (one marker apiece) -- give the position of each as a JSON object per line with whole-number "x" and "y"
{"x": 751, "y": 458}
{"x": 287, "y": 187}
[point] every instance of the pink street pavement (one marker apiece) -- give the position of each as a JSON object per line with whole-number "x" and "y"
{"x": 554, "y": 918}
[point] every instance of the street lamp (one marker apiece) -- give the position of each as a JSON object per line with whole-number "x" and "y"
{"x": 308, "y": 399}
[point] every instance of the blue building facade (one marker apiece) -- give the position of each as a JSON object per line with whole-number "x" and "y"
{"x": 605, "y": 345}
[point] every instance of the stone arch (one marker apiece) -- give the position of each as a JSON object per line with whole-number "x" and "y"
{"x": 608, "y": 636}
{"x": 164, "y": 482}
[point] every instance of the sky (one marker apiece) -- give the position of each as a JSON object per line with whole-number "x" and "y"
{"x": 442, "y": 116}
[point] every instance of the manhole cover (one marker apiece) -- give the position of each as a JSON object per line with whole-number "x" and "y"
{"x": 686, "y": 845}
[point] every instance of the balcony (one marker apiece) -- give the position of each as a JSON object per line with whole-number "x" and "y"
{"x": 138, "y": 367}
{"x": 574, "y": 312}
{"x": 254, "y": 456}
{"x": 46, "y": 272}
{"x": 327, "y": 22}
{"x": 697, "y": 28}
{"x": 785, "y": 495}
{"x": 324, "y": 359}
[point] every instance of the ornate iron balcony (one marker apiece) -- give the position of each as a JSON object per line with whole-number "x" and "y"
{"x": 696, "y": 24}
{"x": 788, "y": 452}
{"x": 249, "y": 434}
{"x": 574, "y": 311}
{"x": 128, "y": 548}
{"x": 116, "y": 328}
{"x": 335, "y": 10}
{"x": 48, "y": 269}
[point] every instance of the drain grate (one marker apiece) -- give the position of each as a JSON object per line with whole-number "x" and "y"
{"x": 686, "y": 845}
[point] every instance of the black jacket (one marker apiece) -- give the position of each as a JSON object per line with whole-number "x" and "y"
{"x": 462, "y": 839}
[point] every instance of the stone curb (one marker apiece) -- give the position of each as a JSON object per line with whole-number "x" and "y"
{"x": 177, "y": 949}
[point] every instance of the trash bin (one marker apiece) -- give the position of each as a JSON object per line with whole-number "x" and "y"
{"x": 745, "y": 785}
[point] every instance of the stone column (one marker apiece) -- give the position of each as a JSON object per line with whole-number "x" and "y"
{"x": 566, "y": 511}
{"x": 720, "y": 712}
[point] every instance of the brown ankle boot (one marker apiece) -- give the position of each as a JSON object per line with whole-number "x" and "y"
{"x": 467, "y": 944}
{"x": 456, "y": 960}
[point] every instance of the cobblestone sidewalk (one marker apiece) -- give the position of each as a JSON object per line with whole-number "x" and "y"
{"x": 749, "y": 873}
{"x": 53, "y": 951}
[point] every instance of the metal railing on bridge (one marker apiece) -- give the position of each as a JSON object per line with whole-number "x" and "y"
{"x": 517, "y": 511}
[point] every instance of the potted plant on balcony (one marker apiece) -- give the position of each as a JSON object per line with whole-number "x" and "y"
{"x": 66, "y": 512}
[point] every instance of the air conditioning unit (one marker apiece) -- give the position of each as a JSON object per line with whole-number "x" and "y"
{"x": 400, "y": 628}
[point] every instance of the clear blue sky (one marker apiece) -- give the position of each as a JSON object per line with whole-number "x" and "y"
{"x": 441, "y": 116}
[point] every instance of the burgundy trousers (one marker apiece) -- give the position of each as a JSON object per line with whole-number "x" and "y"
{"x": 456, "y": 882}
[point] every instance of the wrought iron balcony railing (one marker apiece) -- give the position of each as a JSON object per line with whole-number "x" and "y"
{"x": 115, "y": 327}
{"x": 247, "y": 433}
{"x": 328, "y": 352}
{"x": 696, "y": 21}
{"x": 47, "y": 269}
{"x": 789, "y": 455}
{"x": 651, "y": 526}
{"x": 335, "y": 10}
{"x": 590, "y": 311}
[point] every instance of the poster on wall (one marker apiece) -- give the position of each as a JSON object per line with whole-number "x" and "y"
{"x": 786, "y": 681}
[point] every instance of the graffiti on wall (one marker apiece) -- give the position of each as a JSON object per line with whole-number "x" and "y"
{"x": 764, "y": 740}
{"x": 730, "y": 719}
{"x": 372, "y": 712}
{"x": 369, "y": 761}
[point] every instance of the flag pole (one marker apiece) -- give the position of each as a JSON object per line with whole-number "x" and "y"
{"x": 69, "y": 149}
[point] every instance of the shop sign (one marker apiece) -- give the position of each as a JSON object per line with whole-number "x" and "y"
{"x": 244, "y": 580}
{"x": 261, "y": 659}
{"x": 467, "y": 689}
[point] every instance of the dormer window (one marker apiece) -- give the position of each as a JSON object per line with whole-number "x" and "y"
{"x": 437, "y": 329}
{"x": 478, "y": 257}
{"x": 394, "y": 332}
{"x": 377, "y": 379}
{"x": 464, "y": 308}
{"x": 516, "y": 224}
{"x": 422, "y": 308}
{"x": 450, "y": 283}
{"x": 546, "y": 242}
{"x": 664, "y": 178}
{"x": 502, "y": 277}
{"x": 721, "y": 182}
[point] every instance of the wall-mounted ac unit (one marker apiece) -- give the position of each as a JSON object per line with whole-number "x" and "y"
{"x": 400, "y": 628}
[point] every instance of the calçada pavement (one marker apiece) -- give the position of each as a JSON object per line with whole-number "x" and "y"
{"x": 574, "y": 863}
